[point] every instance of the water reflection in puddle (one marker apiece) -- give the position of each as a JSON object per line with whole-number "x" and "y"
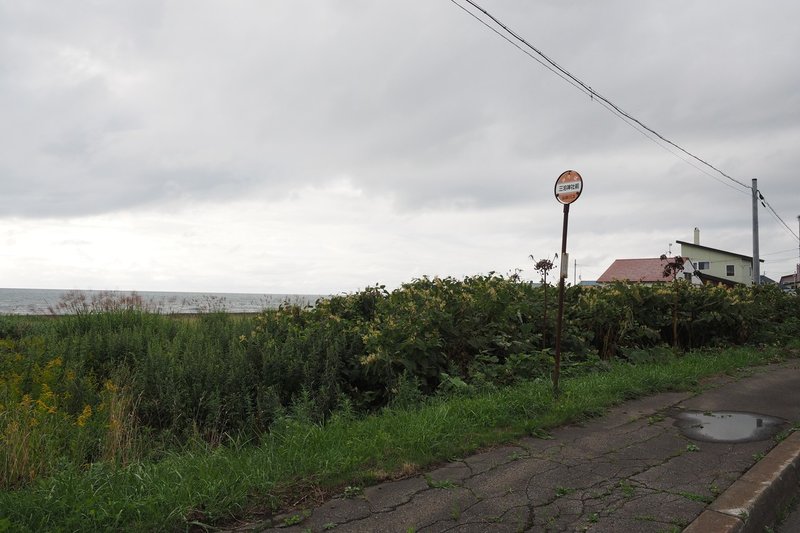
{"x": 727, "y": 426}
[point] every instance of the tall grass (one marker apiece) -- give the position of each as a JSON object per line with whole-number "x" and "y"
{"x": 101, "y": 382}
{"x": 301, "y": 459}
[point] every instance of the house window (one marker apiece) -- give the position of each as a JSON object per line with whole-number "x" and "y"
{"x": 729, "y": 270}
{"x": 702, "y": 265}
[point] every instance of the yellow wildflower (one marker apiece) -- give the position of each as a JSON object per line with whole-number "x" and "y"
{"x": 46, "y": 401}
{"x": 84, "y": 416}
{"x": 368, "y": 360}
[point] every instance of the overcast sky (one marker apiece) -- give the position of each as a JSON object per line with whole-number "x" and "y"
{"x": 324, "y": 146}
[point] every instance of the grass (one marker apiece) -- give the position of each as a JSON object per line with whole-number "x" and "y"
{"x": 302, "y": 461}
{"x": 440, "y": 484}
{"x": 696, "y": 497}
{"x": 627, "y": 488}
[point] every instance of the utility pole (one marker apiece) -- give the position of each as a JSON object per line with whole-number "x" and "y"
{"x": 756, "y": 261}
{"x": 797, "y": 268}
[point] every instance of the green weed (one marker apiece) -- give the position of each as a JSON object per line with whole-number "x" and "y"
{"x": 627, "y": 488}
{"x": 455, "y": 512}
{"x": 440, "y": 484}
{"x": 351, "y": 492}
{"x": 695, "y": 497}
{"x": 292, "y": 520}
{"x": 563, "y": 491}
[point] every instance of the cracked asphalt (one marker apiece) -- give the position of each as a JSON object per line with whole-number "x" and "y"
{"x": 632, "y": 470}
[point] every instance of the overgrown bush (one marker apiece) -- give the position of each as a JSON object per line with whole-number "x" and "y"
{"x": 626, "y": 316}
{"x": 98, "y": 384}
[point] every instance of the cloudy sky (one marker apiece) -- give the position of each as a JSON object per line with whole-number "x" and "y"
{"x": 323, "y": 146}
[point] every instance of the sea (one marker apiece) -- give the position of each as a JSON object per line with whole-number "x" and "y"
{"x": 59, "y": 302}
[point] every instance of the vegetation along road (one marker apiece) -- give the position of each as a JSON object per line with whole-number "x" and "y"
{"x": 118, "y": 418}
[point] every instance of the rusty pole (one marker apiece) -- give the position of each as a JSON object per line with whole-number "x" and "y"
{"x": 560, "y": 318}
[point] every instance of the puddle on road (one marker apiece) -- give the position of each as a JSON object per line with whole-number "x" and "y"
{"x": 727, "y": 426}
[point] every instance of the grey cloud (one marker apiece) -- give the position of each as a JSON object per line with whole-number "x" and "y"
{"x": 414, "y": 100}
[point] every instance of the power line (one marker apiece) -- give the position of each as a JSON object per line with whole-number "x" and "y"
{"x": 781, "y": 251}
{"x": 652, "y": 135}
{"x": 766, "y": 204}
{"x": 590, "y": 93}
{"x": 573, "y": 80}
{"x": 518, "y": 47}
{"x": 540, "y": 57}
{"x": 783, "y": 258}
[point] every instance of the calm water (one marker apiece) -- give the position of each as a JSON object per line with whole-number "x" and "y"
{"x": 46, "y": 301}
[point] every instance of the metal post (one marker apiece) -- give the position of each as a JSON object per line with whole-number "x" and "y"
{"x": 756, "y": 261}
{"x": 560, "y": 318}
{"x": 568, "y": 188}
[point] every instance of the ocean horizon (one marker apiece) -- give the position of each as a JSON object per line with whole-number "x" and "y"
{"x": 67, "y": 301}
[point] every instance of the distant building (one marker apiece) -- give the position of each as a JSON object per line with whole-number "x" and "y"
{"x": 718, "y": 266}
{"x": 767, "y": 281}
{"x": 649, "y": 271}
{"x": 790, "y": 281}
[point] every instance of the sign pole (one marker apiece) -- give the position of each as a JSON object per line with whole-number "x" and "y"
{"x": 560, "y": 317}
{"x": 568, "y": 188}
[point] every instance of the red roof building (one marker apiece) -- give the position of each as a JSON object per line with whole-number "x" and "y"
{"x": 648, "y": 270}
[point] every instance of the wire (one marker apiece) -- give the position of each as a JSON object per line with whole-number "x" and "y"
{"x": 518, "y": 47}
{"x": 781, "y": 251}
{"x": 777, "y": 216}
{"x": 783, "y": 258}
{"x": 591, "y": 93}
{"x": 564, "y": 74}
{"x": 649, "y": 133}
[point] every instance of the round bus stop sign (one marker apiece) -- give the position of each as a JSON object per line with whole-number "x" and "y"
{"x": 568, "y": 187}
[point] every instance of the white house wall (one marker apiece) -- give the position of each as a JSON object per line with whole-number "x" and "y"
{"x": 689, "y": 269}
{"x": 718, "y": 263}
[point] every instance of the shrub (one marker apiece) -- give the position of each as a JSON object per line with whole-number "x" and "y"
{"x": 97, "y": 384}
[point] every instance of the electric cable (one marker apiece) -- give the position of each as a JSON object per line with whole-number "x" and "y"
{"x": 551, "y": 65}
{"x": 573, "y": 80}
{"x": 781, "y": 251}
{"x": 648, "y": 132}
{"x": 774, "y": 213}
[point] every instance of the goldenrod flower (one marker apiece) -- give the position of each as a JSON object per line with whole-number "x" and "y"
{"x": 84, "y": 416}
